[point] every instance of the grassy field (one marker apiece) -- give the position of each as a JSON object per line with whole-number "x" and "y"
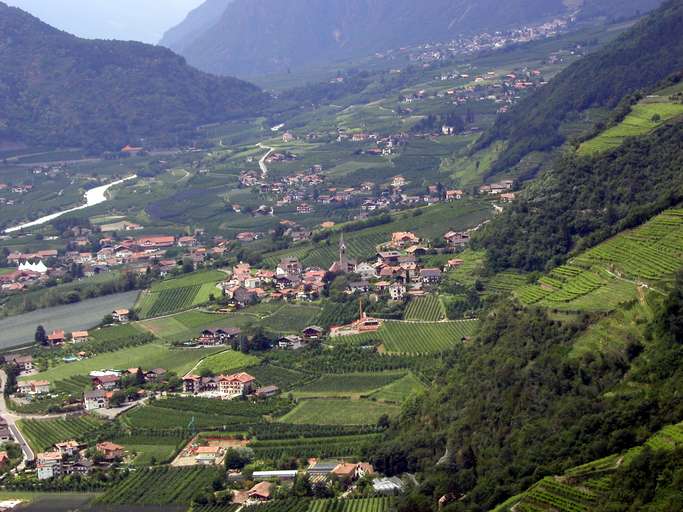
{"x": 612, "y": 272}
{"x": 226, "y": 361}
{"x": 416, "y": 337}
{"x": 639, "y": 122}
{"x": 42, "y": 434}
{"x": 399, "y": 390}
{"x": 147, "y": 356}
{"x": 181, "y": 293}
{"x": 426, "y": 309}
{"x": 338, "y": 412}
{"x": 150, "y": 449}
{"x": 352, "y": 505}
{"x": 347, "y": 385}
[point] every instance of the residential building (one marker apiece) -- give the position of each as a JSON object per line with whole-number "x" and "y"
{"x": 262, "y": 491}
{"x": 48, "y": 465}
{"x": 96, "y": 399}
{"x": 267, "y": 391}
{"x": 110, "y": 451}
{"x": 120, "y": 315}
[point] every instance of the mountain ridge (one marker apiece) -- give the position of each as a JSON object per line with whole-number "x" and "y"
{"x": 57, "y": 89}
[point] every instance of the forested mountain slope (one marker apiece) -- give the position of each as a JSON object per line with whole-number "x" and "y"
{"x": 256, "y": 36}
{"x": 638, "y": 59}
{"x": 59, "y": 90}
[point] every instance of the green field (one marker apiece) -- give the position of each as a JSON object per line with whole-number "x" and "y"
{"x": 609, "y": 274}
{"x": 416, "y": 337}
{"x": 162, "y": 486}
{"x": 226, "y": 361}
{"x": 150, "y": 449}
{"x": 323, "y": 447}
{"x": 338, "y": 412}
{"x": 347, "y": 384}
{"x": 173, "y": 295}
{"x": 638, "y": 122}
{"x": 399, "y": 390}
{"x": 426, "y": 309}
{"x": 42, "y": 434}
{"x": 147, "y": 356}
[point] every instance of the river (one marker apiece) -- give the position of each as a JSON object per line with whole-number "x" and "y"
{"x": 94, "y": 196}
{"x": 20, "y": 329}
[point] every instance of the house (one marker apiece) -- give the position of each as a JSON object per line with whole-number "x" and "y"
{"x": 313, "y": 333}
{"x": 402, "y": 239}
{"x": 120, "y": 315}
{"x": 25, "y": 387}
{"x": 455, "y": 263}
{"x": 366, "y": 271}
{"x": 56, "y": 337}
{"x": 398, "y": 181}
{"x": 455, "y": 238}
{"x": 155, "y": 242}
{"x": 79, "y": 336}
{"x": 24, "y": 363}
{"x": 48, "y": 465}
{"x": 5, "y": 433}
{"x": 34, "y": 387}
{"x": 218, "y": 336}
{"x": 454, "y": 195}
{"x": 364, "y": 469}
{"x": 106, "y": 382}
{"x": 207, "y": 455}
{"x": 4, "y": 459}
{"x": 397, "y": 291}
{"x": 110, "y": 451}
{"x": 267, "y": 391}
{"x": 430, "y": 275}
{"x": 155, "y": 374}
{"x": 508, "y": 197}
{"x": 290, "y": 343}
{"x": 262, "y": 491}
{"x": 96, "y": 399}
{"x": 345, "y": 471}
{"x": 68, "y": 448}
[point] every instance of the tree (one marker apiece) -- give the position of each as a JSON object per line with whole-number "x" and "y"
{"x": 237, "y": 458}
{"x": 41, "y": 336}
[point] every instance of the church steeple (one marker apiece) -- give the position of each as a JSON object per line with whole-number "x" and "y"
{"x": 343, "y": 255}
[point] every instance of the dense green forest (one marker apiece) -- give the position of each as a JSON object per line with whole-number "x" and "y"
{"x": 59, "y": 90}
{"x": 512, "y": 407}
{"x": 639, "y": 59}
{"x": 582, "y": 201}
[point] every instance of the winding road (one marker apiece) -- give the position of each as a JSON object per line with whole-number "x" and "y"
{"x": 262, "y": 162}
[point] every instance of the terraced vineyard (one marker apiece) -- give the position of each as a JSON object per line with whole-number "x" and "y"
{"x": 645, "y": 255}
{"x": 161, "y": 486}
{"x": 640, "y": 121}
{"x": 42, "y": 434}
{"x": 581, "y": 487}
{"x": 426, "y": 309}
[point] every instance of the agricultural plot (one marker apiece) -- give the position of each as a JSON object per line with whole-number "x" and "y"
{"x": 286, "y": 505}
{"x": 226, "y": 361}
{"x": 352, "y": 505}
{"x": 291, "y": 318}
{"x": 338, "y": 412}
{"x": 323, "y": 447}
{"x": 645, "y": 117}
{"x": 150, "y": 449}
{"x": 608, "y": 274}
{"x": 162, "y": 486}
{"x": 284, "y": 378}
{"x": 178, "y": 294}
{"x": 424, "y": 338}
{"x": 347, "y": 385}
{"x": 425, "y": 309}
{"x": 42, "y": 434}
{"x": 145, "y": 356}
{"x": 399, "y": 390}
{"x": 75, "y": 386}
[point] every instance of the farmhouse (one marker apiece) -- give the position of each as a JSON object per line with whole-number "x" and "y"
{"x": 24, "y": 363}
{"x": 79, "y": 336}
{"x": 120, "y": 315}
{"x": 56, "y": 337}
{"x": 218, "y": 336}
{"x": 262, "y": 491}
{"x": 267, "y": 391}
{"x": 401, "y": 239}
{"x": 313, "y": 333}
{"x": 110, "y": 451}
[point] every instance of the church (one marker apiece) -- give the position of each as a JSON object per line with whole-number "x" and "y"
{"x": 343, "y": 265}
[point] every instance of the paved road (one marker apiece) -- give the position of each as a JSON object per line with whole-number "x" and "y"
{"x": 262, "y": 162}
{"x": 11, "y": 419}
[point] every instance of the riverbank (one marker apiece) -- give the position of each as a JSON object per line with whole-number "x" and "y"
{"x": 93, "y": 197}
